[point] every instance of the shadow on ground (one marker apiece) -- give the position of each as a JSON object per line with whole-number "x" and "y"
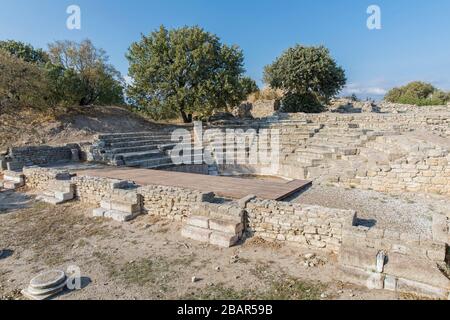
{"x": 5, "y": 253}
{"x": 12, "y": 200}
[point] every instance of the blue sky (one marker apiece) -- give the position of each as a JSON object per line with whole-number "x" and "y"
{"x": 413, "y": 43}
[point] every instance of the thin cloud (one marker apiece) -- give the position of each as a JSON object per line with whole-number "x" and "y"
{"x": 363, "y": 90}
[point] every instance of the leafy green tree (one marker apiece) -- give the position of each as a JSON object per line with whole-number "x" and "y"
{"x": 308, "y": 76}
{"x": 183, "y": 72}
{"x": 22, "y": 83}
{"x": 81, "y": 74}
{"x": 24, "y": 51}
{"x": 417, "y": 93}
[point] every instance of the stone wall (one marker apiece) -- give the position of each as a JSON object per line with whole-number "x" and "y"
{"x": 17, "y": 158}
{"x": 431, "y": 175}
{"x": 388, "y": 107}
{"x": 40, "y": 178}
{"x": 407, "y": 244}
{"x": 424, "y": 170}
{"x": 264, "y": 108}
{"x": 92, "y": 190}
{"x": 311, "y": 226}
{"x": 170, "y": 202}
{"x": 385, "y": 121}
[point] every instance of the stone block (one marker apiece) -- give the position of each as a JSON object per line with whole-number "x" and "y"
{"x": 99, "y": 212}
{"x": 226, "y": 226}
{"x": 13, "y": 176}
{"x": 363, "y": 258}
{"x": 105, "y": 205}
{"x": 11, "y": 185}
{"x": 195, "y": 233}
{"x": 64, "y": 196}
{"x": 75, "y": 155}
{"x": 317, "y": 243}
{"x": 120, "y": 216}
{"x": 406, "y": 285}
{"x": 244, "y": 201}
{"x": 49, "y": 200}
{"x": 222, "y": 239}
{"x": 198, "y": 221}
{"x": 390, "y": 283}
{"x": 416, "y": 269}
{"x": 440, "y": 228}
{"x": 310, "y": 230}
{"x": 354, "y": 275}
{"x": 375, "y": 281}
{"x": 126, "y": 207}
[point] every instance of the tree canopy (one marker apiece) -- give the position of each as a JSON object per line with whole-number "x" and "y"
{"x": 22, "y": 83}
{"x": 418, "y": 93}
{"x": 308, "y": 76}
{"x": 81, "y": 74}
{"x": 185, "y": 71}
{"x": 24, "y": 51}
{"x": 68, "y": 74}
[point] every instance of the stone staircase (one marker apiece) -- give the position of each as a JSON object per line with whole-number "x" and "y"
{"x": 331, "y": 144}
{"x": 140, "y": 149}
{"x": 13, "y": 180}
{"x": 120, "y": 205}
{"x": 59, "y": 192}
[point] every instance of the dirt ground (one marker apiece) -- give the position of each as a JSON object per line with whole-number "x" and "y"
{"x": 406, "y": 213}
{"x": 148, "y": 259}
{"x": 75, "y": 125}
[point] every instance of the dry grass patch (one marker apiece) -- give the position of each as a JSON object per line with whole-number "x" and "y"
{"x": 50, "y": 231}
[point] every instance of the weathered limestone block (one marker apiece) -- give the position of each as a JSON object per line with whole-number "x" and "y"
{"x": 440, "y": 228}
{"x": 226, "y": 226}
{"x": 223, "y": 239}
{"x": 195, "y": 233}
{"x": 198, "y": 221}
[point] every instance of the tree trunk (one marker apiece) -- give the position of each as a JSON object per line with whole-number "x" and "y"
{"x": 187, "y": 118}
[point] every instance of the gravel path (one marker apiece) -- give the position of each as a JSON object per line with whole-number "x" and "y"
{"x": 410, "y": 213}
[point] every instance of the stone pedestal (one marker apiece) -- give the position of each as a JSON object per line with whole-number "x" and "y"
{"x": 46, "y": 285}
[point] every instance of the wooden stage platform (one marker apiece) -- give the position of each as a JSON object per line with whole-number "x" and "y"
{"x": 228, "y": 187}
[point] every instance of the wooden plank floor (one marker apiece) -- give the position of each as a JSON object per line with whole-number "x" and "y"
{"x": 229, "y": 187}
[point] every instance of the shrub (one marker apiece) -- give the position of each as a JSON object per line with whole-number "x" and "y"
{"x": 308, "y": 76}
{"x": 266, "y": 94}
{"x": 22, "y": 83}
{"x": 417, "y": 93}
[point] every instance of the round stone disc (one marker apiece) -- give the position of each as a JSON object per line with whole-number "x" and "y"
{"x": 47, "y": 292}
{"x": 48, "y": 279}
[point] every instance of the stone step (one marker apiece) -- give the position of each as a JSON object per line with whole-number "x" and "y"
{"x": 137, "y": 142}
{"x": 142, "y": 148}
{"x": 339, "y": 130}
{"x": 196, "y": 233}
{"x": 305, "y": 163}
{"x": 224, "y": 240}
{"x": 132, "y": 135}
{"x": 127, "y": 157}
{"x": 12, "y": 185}
{"x": 150, "y": 163}
{"x": 217, "y": 238}
{"x": 317, "y": 152}
{"x": 399, "y": 272}
{"x": 334, "y": 148}
{"x": 131, "y": 144}
{"x": 116, "y": 215}
{"x": 49, "y": 200}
